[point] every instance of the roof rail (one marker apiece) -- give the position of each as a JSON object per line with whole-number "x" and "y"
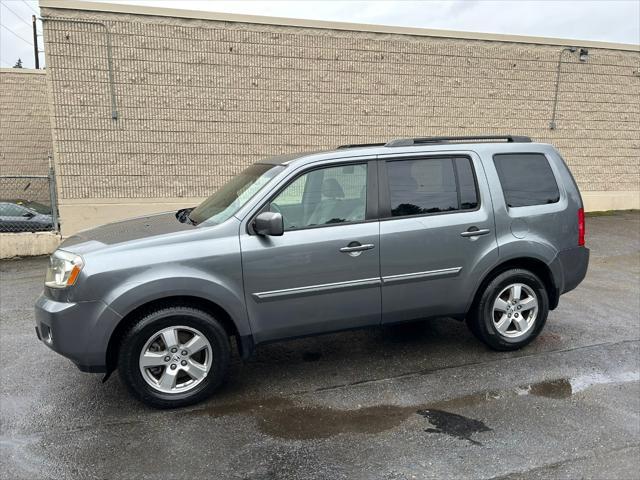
{"x": 407, "y": 142}
{"x": 357, "y": 145}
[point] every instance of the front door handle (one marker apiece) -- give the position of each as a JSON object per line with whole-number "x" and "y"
{"x": 474, "y": 232}
{"x": 356, "y": 248}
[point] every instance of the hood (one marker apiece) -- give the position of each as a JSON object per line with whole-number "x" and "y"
{"x": 124, "y": 231}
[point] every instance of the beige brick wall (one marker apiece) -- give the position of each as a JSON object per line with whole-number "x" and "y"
{"x": 200, "y": 99}
{"x": 25, "y": 129}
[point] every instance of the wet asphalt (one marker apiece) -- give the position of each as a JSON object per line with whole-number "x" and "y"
{"x": 424, "y": 400}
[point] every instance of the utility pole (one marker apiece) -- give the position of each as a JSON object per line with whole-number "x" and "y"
{"x": 35, "y": 41}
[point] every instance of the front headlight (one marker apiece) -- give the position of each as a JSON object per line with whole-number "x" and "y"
{"x": 64, "y": 268}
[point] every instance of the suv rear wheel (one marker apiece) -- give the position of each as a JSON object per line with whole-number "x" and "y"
{"x": 174, "y": 356}
{"x": 511, "y": 311}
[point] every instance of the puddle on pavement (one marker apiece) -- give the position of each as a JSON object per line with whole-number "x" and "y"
{"x": 453, "y": 424}
{"x": 565, "y": 387}
{"x": 560, "y": 388}
{"x": 302, "y": 423}
{"x": 283, "y": 418}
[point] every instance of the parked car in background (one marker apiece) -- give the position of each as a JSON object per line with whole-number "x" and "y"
{"x": 31, "y": 204}
{"x": 16, "y": 217}
{"x": 484, "y": 229}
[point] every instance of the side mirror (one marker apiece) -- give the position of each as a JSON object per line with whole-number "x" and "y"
{"x": 28, "y": 214}
{"x": 269, "y": 223}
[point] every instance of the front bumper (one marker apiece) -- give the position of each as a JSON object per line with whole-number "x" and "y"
{"x": 76, "y": 330}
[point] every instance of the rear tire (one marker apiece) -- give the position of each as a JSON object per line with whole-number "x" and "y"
{"x": 174, "y": 357}
{"x": 511, "y": 311}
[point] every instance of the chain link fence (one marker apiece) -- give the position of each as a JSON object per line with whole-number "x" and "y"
{"x": 28, "y": 203}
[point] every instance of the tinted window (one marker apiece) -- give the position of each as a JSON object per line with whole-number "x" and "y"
{"x": 324, "y": 196}
{"x": 526, "y": 179}
{"x": 425, "y": 186}
{"x": 467, "y": 184}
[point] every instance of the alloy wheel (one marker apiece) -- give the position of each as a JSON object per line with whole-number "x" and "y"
{"x": 515, "y": 310}
{"x": 176, "y": 359}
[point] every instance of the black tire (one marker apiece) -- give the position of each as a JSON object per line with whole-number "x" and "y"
{"x": 136, "y": 337}
{"x": 481, "y": 318}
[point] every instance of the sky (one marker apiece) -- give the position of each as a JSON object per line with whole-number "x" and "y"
{"x": 604, "y": 20}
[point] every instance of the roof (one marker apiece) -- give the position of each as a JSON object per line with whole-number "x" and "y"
{"x": 292, "y": 22}
{"x": 365, "y": 149}
{"x": 397, "y": 147}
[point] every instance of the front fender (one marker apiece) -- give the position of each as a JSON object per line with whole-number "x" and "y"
{"x": 130, "y": 296}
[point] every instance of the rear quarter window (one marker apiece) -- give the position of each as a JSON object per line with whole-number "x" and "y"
{"x": 526, "y": 179}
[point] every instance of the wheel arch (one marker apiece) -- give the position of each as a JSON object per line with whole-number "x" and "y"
{"x": 534, "y": 265}
{"x": 244, "y": 342}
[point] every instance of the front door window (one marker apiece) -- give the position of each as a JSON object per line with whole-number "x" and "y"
{"x": 323, "y": 197}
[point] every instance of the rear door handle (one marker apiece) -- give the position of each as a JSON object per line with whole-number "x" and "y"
{"x": 474, "y": 232}
{"x": 357, "y": 248}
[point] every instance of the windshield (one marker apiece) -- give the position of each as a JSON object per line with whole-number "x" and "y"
{"x": 228, "y": 199}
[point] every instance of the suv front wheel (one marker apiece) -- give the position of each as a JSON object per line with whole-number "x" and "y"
{"x": 511, "y": 311}
{"x": 174, "y": 356}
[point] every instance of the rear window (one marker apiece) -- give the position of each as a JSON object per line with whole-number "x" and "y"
{"x": 526, "y": 178}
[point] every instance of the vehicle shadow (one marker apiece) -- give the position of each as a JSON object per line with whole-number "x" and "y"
{"x": 321, "y": 362}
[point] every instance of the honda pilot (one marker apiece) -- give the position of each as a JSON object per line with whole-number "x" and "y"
{"x": 489, "y": 230}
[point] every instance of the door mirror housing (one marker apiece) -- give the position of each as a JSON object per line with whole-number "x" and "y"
{"x": 269, "y": 223}
{"x": 28, "y": 214}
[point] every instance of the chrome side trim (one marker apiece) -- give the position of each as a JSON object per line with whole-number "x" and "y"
{"x": 408, "y": 277}
{"x": 315, "y": 289}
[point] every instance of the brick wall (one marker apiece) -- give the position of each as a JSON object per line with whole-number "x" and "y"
{"x": 25, "y": 129}
{"x": 198, "y": 100}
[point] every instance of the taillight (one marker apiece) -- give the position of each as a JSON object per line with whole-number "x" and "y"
{"x": 581, "y": 227}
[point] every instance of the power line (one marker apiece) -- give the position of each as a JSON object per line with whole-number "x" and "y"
{"x": 15, "y": 34}
{"x": 15, "y": 14}
{"x": 29, "y": 5}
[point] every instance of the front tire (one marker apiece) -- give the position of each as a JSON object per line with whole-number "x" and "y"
{"x": 511, "y": 311}
{"x": 174, "y": 357}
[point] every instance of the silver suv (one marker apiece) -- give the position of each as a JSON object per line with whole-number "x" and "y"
{"x": 486, "y": 229}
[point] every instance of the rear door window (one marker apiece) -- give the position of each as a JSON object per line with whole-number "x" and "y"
{"x": 431, "y": 185}
{"x": 526, "y": 178}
